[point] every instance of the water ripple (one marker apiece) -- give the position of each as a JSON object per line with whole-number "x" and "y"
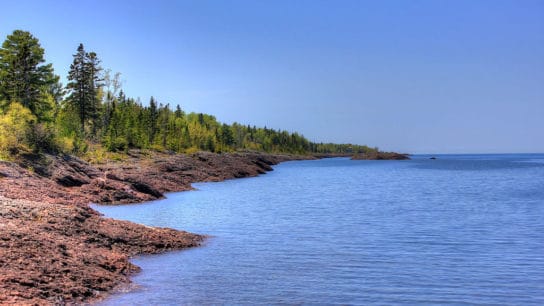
{"x": 456, "y": 230}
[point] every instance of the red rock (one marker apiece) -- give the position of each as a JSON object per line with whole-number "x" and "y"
{"x": 54, "y": 249}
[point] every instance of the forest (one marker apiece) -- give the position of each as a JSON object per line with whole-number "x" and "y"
{"x": 91, "y": 112}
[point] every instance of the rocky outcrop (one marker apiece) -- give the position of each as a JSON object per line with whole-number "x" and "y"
{"x": 55, "y": 249}
{"x": 380, "y": 156}
{"x": 138, "y": 178}
{"x": 54, "y": 254}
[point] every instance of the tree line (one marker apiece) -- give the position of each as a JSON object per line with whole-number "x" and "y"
{"x": 38, "y": 113}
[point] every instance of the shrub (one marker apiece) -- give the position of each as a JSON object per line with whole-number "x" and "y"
{"x": 65, "y": 144}
{"x": 42, "y": 138}
{"x": 192, "y": 150}
{"x": 15, "y": 128}
{"x": 115, "y": 144}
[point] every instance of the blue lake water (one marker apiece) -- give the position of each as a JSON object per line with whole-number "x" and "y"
{"x": 459, "y": 229}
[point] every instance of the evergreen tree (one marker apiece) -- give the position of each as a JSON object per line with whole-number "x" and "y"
{"x": 29, "y": 90}
{"x": 227, "y": 138}
{"x": 24, "y": 77}
{"x": 179, "y": 113}
{"x": 84, "y": 85}
{"x": 93, "y": 70}
{"x": 153, "y": 116}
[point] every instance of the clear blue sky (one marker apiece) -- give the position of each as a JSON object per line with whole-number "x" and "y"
{"x": 414, "y": 76}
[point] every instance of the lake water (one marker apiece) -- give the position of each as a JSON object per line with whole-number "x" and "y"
{"x": 462, "y": 229}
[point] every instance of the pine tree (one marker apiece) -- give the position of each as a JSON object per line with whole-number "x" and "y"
{"x": 153, "y": 117}
{"x": 24, "y": 77}
{"x": 227, "y": 138}
{"x": 93, "y": 70}
{"x": 179, "y": 113}
{"x": 84, "y": 85}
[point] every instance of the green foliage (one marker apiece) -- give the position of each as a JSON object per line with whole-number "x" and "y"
{"x": 15, "y": 128}
{"x": 97, "y": 119}
{"x": 21, "y": 131}
{"x": 41, "y": 137}
{"x": 115, "y": 144}
{"x": 25, "y": 78}
{"x": 69, "y": 136}
{"x": 157, "y": 127}
{"x": 84, "y": 88}
{"x": 98, "y": 154}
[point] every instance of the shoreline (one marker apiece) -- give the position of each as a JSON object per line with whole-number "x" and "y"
{"x": 56, "y": 249}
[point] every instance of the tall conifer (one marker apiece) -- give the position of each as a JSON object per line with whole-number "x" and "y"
{"x": 24, "y": 77}
{"x": 84, "y": 83}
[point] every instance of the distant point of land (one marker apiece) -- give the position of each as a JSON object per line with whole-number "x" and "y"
{"x": 377, "y": 155}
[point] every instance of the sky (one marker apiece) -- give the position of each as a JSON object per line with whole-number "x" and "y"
{"x": 444, "y": 76}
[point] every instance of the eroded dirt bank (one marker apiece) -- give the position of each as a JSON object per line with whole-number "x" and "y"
{"x": 54, "y": 249}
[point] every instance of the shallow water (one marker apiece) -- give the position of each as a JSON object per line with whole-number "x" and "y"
{"x": 459, "y": 229}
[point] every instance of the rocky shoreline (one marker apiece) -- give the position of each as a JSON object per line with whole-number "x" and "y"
{"x": 55, "y": 249}
{"x": 378, "y": 155}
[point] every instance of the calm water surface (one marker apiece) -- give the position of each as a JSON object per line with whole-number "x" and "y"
{"x": 459, "y": 229}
